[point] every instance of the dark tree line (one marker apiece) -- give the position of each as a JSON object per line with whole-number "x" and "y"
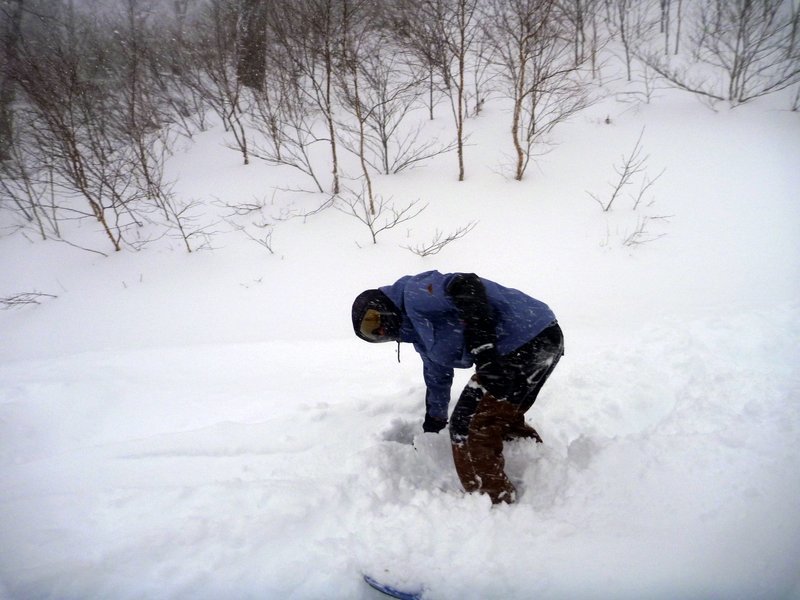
{"x": 92, "y": 101}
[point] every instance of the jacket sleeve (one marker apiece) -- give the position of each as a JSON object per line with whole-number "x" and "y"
{"x": 480, "y": 327}
{"x": 438, "y": 380}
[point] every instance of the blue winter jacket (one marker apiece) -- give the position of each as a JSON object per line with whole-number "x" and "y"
{"x": 431, "y": 322}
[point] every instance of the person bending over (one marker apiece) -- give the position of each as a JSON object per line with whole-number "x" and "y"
{"x": 458, "y": 320}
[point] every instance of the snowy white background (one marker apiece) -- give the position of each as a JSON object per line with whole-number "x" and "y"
{"x": 205, "y": 425}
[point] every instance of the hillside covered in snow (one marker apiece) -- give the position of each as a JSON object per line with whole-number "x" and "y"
{"x": 205, "y": 424}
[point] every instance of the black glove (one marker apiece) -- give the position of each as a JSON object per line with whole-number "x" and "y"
{"x": 494, "y": 373}
{"x": 433, "y": 424}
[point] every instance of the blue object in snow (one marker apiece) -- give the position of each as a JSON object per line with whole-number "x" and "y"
{"x": 392, "y": 591}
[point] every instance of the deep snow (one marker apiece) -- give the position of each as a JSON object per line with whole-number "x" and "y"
{"x": 207, "y": 426}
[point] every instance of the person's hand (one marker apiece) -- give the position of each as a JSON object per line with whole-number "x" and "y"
{"x": 433, "y": 425}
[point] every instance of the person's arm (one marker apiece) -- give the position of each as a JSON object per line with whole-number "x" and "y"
{"x": 438, "y": 380}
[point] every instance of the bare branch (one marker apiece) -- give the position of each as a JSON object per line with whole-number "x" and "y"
{"x": 263, "y": 238}
{"x": 24, "y": 299}
{"x": 641, "y": 235}
{"x": 385, "y": 215}
{"x": 440, "y": 240}
{"x": 632, "y": 165}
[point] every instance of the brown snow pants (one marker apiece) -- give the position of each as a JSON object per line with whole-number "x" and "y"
{"x": 480, "y": 422}
{"x": 479, "y": 456}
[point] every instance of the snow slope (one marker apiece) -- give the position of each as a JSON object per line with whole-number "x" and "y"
{"x": 207, "y": 426}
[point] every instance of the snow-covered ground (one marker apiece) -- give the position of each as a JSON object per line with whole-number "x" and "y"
{"x": 205, "y": 425}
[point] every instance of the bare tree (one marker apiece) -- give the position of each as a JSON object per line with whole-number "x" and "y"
{"x": 186, "y": 223}
{"x": 481, "y": 61}
{"x": 93, "y": 137}
{"x": 580, "y": 16}
{"x": 384, "y": 215}
{"x": 455, "y": 24}
{"x": 389, "y": 93}
{"x": 678, "y": 25}
{"x": 27, "y": 193}
{"x": 174, "y": 70}
{"x": 10, "y": 33}
{"x": 621, "y": 20}
{"x": 389, "y": 89}
{"x": 752, "y": 44}
{"x": 541, "y": 77}
{"x": 214, "y": 49}
{"x": 290, "y": 127}
{"x": 416, "y": 32}
{"x": 633, "y": 165}
{"x": 142, "y": 122}
{"x": 459, "y": 32}
{"x": 251, "y": 49}
{"x": 632, "y": 22}
{"x": 71, "y": 131}
{"x": 355, "y": 42}
{"x": 309, "y": 31}
{"x": 665, "y": 7}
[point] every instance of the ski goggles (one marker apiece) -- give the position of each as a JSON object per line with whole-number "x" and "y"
{"x": 373, "y": 325}
{"x": 380, "y": 326}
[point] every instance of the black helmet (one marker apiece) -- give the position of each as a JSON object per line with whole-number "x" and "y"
{"x": 376, "y": 318}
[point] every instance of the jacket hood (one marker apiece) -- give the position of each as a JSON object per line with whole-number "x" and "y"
{"x": 391, "y": 316}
